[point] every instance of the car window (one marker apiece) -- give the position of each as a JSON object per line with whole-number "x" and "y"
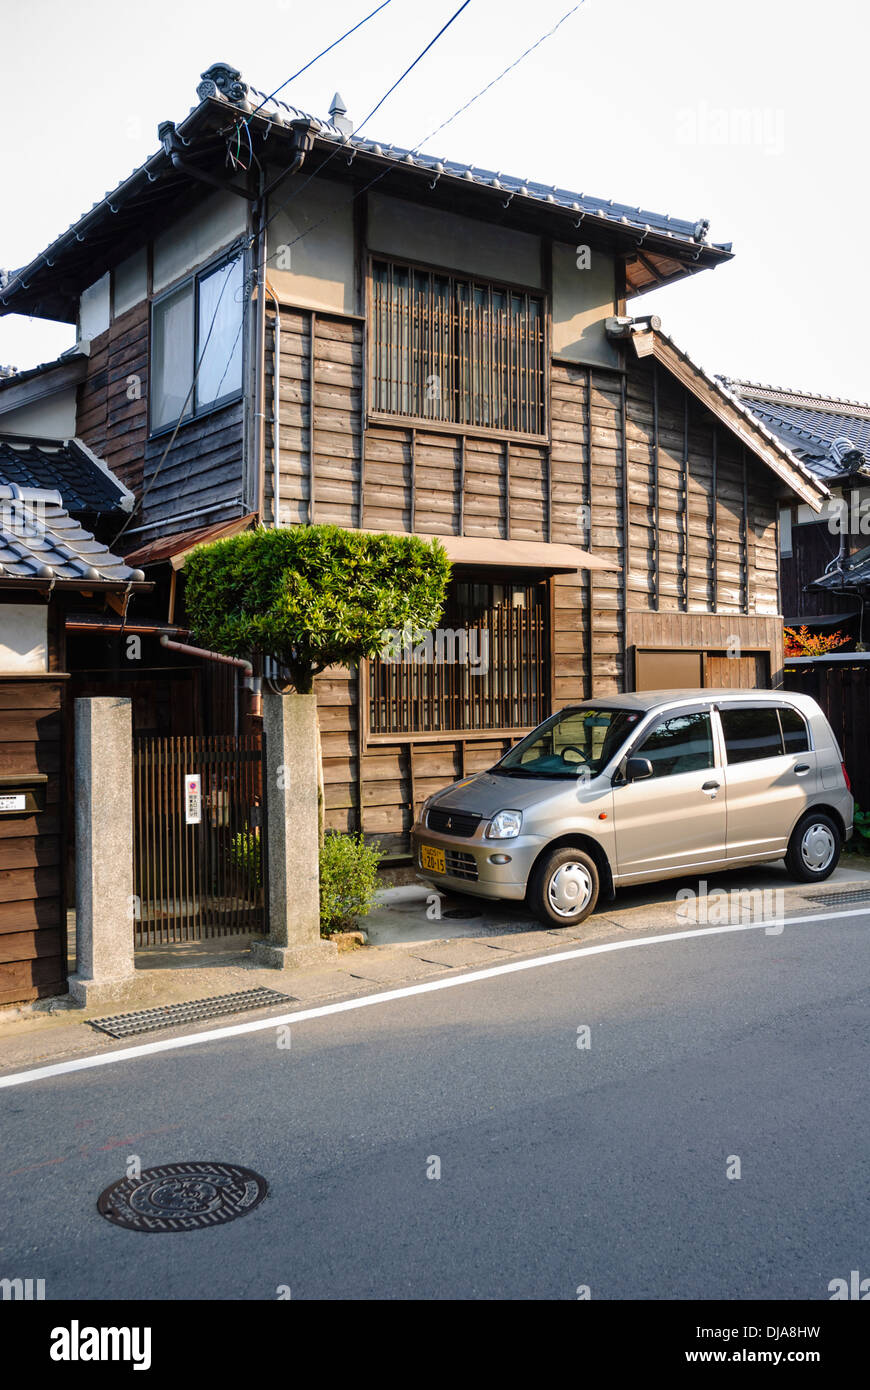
{"x": 573, "y": 743}
{"x": 794, "y": 730}
{"x": 751, "y": 733}
{"x": 680, "y": 743}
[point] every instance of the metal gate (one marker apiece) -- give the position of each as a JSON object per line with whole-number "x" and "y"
{"x": 199, "y": 862}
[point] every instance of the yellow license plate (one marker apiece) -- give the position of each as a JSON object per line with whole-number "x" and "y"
{"x": 433, "y": 859}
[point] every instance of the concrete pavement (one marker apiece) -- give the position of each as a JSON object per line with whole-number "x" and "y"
{"x": 684, "y": 1119}
{"x": 408, "y": 942}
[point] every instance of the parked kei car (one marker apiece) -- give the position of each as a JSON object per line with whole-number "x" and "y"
{"x": 641, "y": 787}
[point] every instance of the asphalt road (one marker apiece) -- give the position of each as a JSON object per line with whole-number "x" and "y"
{"x": 559, "y": 1166}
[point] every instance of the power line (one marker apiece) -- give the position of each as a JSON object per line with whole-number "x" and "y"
{"x": 343, "y": 144}
{"x": 320, "y": 55}
{"x": 416, "y": 148}
{"x": 411, "y": 67}
{"x": 377, "y": 179}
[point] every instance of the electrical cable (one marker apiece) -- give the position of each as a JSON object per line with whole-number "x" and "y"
{"x": 322, "y": 54}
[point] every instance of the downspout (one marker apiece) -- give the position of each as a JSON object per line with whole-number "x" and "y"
{"x": 303, "y": 137}
{"x": 260, "y": 355}
{"x": 252, "y": 682}
{"x": 276, "y": 412}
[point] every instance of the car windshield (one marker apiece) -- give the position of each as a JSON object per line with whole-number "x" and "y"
{"x": 574, "y": 743}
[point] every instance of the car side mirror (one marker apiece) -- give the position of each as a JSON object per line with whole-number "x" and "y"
{"x": 638, "y": 768}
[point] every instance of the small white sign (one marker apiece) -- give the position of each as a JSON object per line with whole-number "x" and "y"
{"x": 15, "y": 802}
{"x": 192, "y": 799}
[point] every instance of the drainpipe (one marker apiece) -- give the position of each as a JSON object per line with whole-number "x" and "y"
{"x": 251, "y": 682}
{"x": 259, "y": 439}
{"x": 276, "y": 413}
{"x": 303, "y": 133}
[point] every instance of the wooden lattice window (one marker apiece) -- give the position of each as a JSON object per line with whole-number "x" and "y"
{"x": 461, "y": 351}
{"x": 485, "y": 667}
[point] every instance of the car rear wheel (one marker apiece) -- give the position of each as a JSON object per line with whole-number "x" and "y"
{"x": 814, "y": 848}
{"x": 564, "y": 887}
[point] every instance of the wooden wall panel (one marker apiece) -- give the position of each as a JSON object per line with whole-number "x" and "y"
{"x": 32, "y": 925}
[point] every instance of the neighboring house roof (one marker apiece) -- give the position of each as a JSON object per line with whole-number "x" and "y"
{"x": 649, "y": 340}
{"x": 173, "y": 549}
{"x": 40, "y": 541}
{"x": 662, "y": 247}
{"x": 71, "y": 358}
{"x": 807, "y": 424}
{"x": 66, "y": 465}
{"x": 855, "y": 573}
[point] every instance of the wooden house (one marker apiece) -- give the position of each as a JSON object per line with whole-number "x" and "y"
{"x": 279, "y": 322}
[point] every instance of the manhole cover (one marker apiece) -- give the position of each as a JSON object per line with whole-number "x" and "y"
{"x": 461, "y": 914}
{"x": 182, "y": 1197}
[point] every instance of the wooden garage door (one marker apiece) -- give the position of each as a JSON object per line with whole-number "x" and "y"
{"x": 662, "y": 669}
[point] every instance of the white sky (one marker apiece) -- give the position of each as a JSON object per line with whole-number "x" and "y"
{"x": 751, "y": 113}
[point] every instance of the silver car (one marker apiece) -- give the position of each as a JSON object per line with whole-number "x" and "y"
{"x": 635, "y": 788}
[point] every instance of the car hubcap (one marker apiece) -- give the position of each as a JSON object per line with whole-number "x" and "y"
{"x": 817, "y": 847}
{"x": 569, "y": 890}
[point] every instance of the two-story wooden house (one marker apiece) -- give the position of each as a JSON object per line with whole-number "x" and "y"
{"x": 280, "y": 322}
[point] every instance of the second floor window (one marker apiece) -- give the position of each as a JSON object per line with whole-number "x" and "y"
{"x": 461, "y": 351}
{"x": 198, "y": 322}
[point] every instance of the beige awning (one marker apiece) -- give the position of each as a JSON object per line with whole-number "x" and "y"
{"x": 537, "y": 555}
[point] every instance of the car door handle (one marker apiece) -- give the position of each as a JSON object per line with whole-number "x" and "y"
{"x": 801, "y": 769}
{"x": 711, "y": 787}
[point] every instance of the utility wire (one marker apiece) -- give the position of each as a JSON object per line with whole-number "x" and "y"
{"x": 377, "y": 179}
{"x": 416, "y": 148}
{"x": 344, "y": 143}
{"x": 320, "y": 55}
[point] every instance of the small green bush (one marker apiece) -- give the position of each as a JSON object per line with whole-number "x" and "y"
{"x": 246, "y": 857}
{"x": 348, "y": 881}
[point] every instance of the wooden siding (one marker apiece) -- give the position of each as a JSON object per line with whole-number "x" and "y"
{"x": 636, "y": 470}
{"x": 32, "y": 928}
{"x": 204, "y": 467}
{"x": 108, "y": 421}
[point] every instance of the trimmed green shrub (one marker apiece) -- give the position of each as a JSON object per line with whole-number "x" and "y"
{"x": 348, "y": 881}
{"x": 313, "y": 596}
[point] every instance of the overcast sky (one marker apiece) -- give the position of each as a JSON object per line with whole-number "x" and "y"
{"x": 752, "y": 114}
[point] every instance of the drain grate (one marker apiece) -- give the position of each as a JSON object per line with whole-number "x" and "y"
{"x": 182, "y": 1197}
{"x": 170, "y": 1015}
{"x": 845, "y": 898}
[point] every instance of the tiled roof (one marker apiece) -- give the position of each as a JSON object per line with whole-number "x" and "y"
{"x": 40, "y": 540}
{"x": 855, "y": 573}
{"x": 65, "y": 465}
{"x": 807, "y": 424}
{"x": 222, "y": 91}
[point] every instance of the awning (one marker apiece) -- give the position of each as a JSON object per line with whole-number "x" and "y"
{"x": 554, "y": 556}
{"x": 173, "y": 549}
{"x": 826, "y": 620}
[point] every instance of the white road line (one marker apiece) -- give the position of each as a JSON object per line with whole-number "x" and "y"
{"x": 237, "y": 1030}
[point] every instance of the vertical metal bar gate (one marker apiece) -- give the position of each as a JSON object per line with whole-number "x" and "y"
{"x": 199, "y": 862}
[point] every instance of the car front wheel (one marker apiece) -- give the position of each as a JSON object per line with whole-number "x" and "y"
{"x": 814, "y": 848}
{"x": 564, "y": 887}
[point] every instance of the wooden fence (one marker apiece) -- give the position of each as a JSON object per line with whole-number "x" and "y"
{"x": 842, "y": 688}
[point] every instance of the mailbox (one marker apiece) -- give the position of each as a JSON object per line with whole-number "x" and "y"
{"x": 21, "y": 796}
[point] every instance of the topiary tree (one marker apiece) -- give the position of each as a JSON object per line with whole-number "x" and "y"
{"x": 313, "y": 596}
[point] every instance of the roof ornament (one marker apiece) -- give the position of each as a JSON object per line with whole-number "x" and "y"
{"x": 338, "y": 115}
{"x": 700, "y": 229}
{"x": 221, "y": 80}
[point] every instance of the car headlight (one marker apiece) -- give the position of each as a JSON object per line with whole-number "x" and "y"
{"x": 505, "y": 825}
